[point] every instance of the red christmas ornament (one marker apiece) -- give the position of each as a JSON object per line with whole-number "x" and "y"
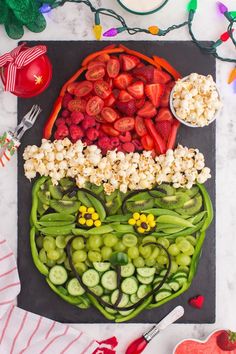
{"x": 30, "y": 68}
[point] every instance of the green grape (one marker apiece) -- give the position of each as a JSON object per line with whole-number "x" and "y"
{"x": 53, "y": 255}
{"x": 179, "y": 239}
{"x": 43, "y": 256}
{"x": 94, "y": 256}
{"x": 173, "y": 250}
{"x": 119, "y": 247}
{"x": 95, "y": 242}
{"x": 39, "y": 241}
{"x": 67, "y": 264}
{"x": 50, "y": 263}
{"x": 62, "y": 258}
{"x": 78, "y": 243}
{"x": 133, "y": 252}
{"x": 184, "y": 245}
{"x": 174, "y": 267}
{"x": 139, "y": 262}
{"x": 183, "y": 260}
{"x": 192, "y": 240}
{"x": 130, "y": 240}
{"x": 147, "y": 239}
{"x": 106, "y": 253}
{"x": 162, "y": 259}
{"x": 145, "y": 251}
{"x": 163, "y": 241}
{"x": 60, "y": 242}
{"x": 80, "y": 267}
{"x": 155, "y": 253}
{"x": 49, "y": 243}
{"x": 110, "y": 240}
{"x": 190, "y": 251}
{"x": 79, "y": 256}
{"x": 150, "y": 262}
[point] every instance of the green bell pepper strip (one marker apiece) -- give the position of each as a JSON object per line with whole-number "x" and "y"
{"x": 100, "y": 308}
{"x": 39, "y": 265}
{"x": 137, "y": 311}
{"x": 73, "y": 300}
{"x": 208, "y": 206}
{"x": 35, "y": 189}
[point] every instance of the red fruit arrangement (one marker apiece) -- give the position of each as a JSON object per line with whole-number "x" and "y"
{"x": 118, "y": 99}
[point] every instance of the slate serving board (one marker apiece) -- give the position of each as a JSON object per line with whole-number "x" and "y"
{"x": 35, "y": 294}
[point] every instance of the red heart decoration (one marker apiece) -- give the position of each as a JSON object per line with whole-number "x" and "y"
{"x": 197, "y": 301}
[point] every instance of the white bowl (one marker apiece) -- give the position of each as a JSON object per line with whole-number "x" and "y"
{"x": 182, "y": 120}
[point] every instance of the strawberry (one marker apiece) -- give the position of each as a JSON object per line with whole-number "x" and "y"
{"x": 139, "y": 103}
{"x": 161, "y": 77}
{"x": 154, "y": 92}
{"x": 144, "y": 73}
{"x": 122, "y": 81}
{"x": 129, "y": 62}
{"x": 124, "y": 96}
{"x": 148, "y": 110}
{"x": 136, "y": 89}
{"x": 127, "y": 108}
{"x": 163, "y": 115}
{"x": 226, "y": 340}
{"x": 164, "y": 128}
{"x": 197, "y": 301}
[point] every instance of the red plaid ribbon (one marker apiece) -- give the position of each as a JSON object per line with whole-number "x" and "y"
{"x": 16, "y": 59}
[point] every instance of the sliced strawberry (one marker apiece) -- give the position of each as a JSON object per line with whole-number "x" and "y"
{"x": 163, "y": 115}
{"x": 124, "y": 96}
{"x": 139, "y": 103}
{"x": 161, "y": 77}
{"x": 147, "y": 142}
{"x": 140, "y": 127}
{"x": 165, "y": 100}
{"x": 144, "y": 73}
{"x": 154, "y": 92}
{"x": 122, "y": 81}
{"x": 148, "y": 110}
{"x": 113, "y": 67}
{"x": 136, "y": 89}
{"x": 129, "y": 62}
{"x": 173, "y": 135}
{"x": 164, "y": 128}
{"x": 127, "y": 108}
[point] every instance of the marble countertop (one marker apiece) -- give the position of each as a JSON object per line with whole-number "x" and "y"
{"x": 73, "y": 22}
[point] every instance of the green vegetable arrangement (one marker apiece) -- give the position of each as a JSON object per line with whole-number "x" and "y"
{"x": 121, "y": 253}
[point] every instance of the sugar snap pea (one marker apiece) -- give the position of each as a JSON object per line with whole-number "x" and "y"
{"x": 35, "y": 189}
{"x": 73, "y": 300}
{"x": 198, "y": 217}
{"x": 56, "y": 230}
{"x": 118, "y": 218}
{"x": 83, "y": 199}
{"x": 104, "y": 229}
{"x": 57, "y": 217}
{"x": 173, "y": 230}
{"x": 39, "y": 265}
{"x": 122, "y": 228}
{"x": 97, "y": 206}
{"x": 53, "y": 223}
{"x": 145, "y": 304}
{"x": 159, "y": 212}
{"x": 208, "y": 206}
{"x": 100, "y": 308}
{"x": 175, "y": 220}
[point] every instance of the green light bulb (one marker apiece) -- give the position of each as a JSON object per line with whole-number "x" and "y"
{"x": 192, "y": 6}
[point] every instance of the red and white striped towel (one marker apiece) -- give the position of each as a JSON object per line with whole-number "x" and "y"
{"x": 23, "y": 332}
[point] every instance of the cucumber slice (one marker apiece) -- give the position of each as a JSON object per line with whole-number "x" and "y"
{"x": 101, "y": 266}
{"x": 179, "y": 274}
{"x": 143, "y": 290}
{"x": 162, "y": 294}
{"x": 126, "y": 313}
{"x": 106, "y": 298}
{"x": 145, "y": 280}
{"x": 127, "y": 270}
{"x": 174, "y": 285}
{"x": 181, "y": 280}
{"x": 97, "y": 290}
{"x": 146, "y": 272}
{"x": 90, "y": 278}
{"x": 109, "y": 280}
{"x": 163, "y": 272}
{"x": 134, "y": 298}
{"x": 111, "y": 311}
{"x": 58, "y": 275}
{"x": 124, "y": 299}
{"x": 129, "y": 285}
{"x": 74, "y": 288}
{"x": 166, "y": 286}
{"x": 157, "y": 280}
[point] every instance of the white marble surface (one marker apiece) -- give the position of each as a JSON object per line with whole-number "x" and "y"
{"x": 73, "y": 22}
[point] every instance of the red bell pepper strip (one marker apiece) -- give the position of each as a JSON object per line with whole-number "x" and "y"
{"x": 160, "y": 145}
{"x": 169, "y": 68}
{"x": 47, "y": 131}
{"x": 173, "y": 134}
